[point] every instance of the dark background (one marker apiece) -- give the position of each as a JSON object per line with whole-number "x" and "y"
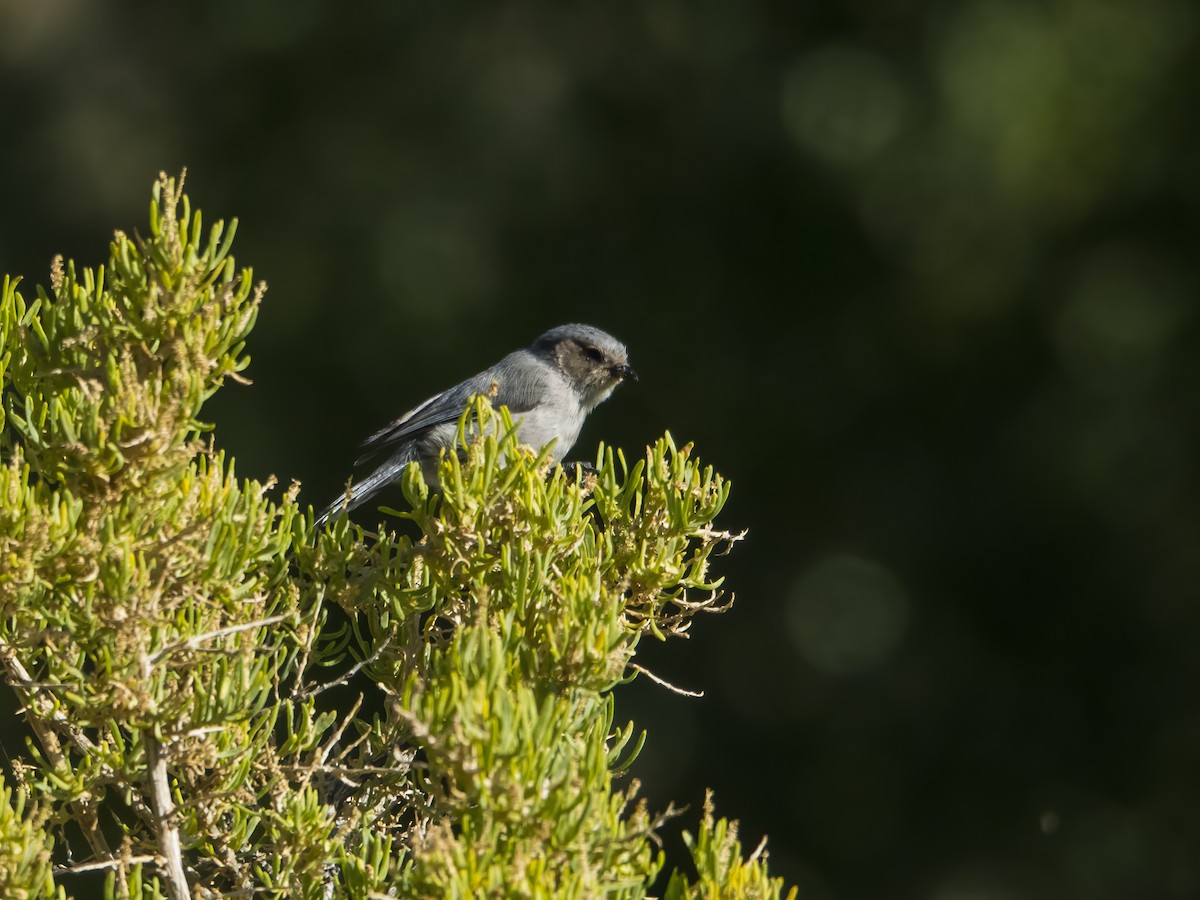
{"x": 918, "y": 277}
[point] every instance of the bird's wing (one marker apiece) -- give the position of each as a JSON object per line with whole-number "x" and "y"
{"x": 517, "y": 386}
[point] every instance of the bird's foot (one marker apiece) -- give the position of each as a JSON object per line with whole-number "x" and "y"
{"x": 583, "y": 472}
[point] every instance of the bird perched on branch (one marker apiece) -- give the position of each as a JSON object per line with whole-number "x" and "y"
{"x": 549, "y": 388}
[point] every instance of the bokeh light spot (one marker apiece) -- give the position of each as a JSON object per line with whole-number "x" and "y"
{"x": 842, "y": 104}
{"x": 1121, "y": 311}
{"x": 1049, "y": 822}
{"x": 524, "y": 90}
{"x": 847, "y": 614}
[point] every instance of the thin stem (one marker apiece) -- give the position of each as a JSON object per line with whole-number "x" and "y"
{"x": 194, "y": 642}
{"x": 158, "y": 786}
{"x": 169, "y": 845}
{"x": 662, "y": 681}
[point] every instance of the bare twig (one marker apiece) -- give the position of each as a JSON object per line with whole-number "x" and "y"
{"x": 103, "y": 864}
{"x": 321, "y": 754}
{"x": 762, "y": 846}
{"x": 350, "y": 673}
{"x": 665, "y": 683}
{"x": 25, "y": 687}
{"x": 310, "y": 637}
{"x": 651, "y": 830}
{"x": 194, "y": 642}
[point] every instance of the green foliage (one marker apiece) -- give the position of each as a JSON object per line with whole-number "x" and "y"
{"x": 24, "y": 851}
{"x": 223, "y": 698}
{"x": 723, "y": 872}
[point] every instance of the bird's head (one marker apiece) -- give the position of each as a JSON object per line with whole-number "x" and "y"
{"x": 593, "y": 361}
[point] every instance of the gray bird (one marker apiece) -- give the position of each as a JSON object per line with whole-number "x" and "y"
{"x": 549, "y": 388}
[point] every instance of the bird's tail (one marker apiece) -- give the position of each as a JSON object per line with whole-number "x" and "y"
{"x": 362, "y": 491}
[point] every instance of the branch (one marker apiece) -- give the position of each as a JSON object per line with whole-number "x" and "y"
{"x": 345, "y": 679}
{"x": 21, "y": 683}
{"x": 194, "y": 642}
{"x": 164, "y": 813}
{"x": 159, "y": 791}
{"x": 24, "y": 687}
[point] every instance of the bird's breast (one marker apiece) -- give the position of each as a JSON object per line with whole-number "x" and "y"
{"x": 559, "y": 423}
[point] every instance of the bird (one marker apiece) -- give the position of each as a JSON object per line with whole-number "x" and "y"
{"x": 549, "y": 388}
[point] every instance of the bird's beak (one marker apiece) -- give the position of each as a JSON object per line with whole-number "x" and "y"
{"x": 624, "y": 372}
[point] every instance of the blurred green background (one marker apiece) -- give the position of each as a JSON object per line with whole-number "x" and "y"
{"x": 919, "y": 277}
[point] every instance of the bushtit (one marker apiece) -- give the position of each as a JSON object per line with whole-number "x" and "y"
{"x": 549, "y": 388}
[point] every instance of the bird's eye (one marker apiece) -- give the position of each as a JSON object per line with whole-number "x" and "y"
{"x": 593, "y": 354}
